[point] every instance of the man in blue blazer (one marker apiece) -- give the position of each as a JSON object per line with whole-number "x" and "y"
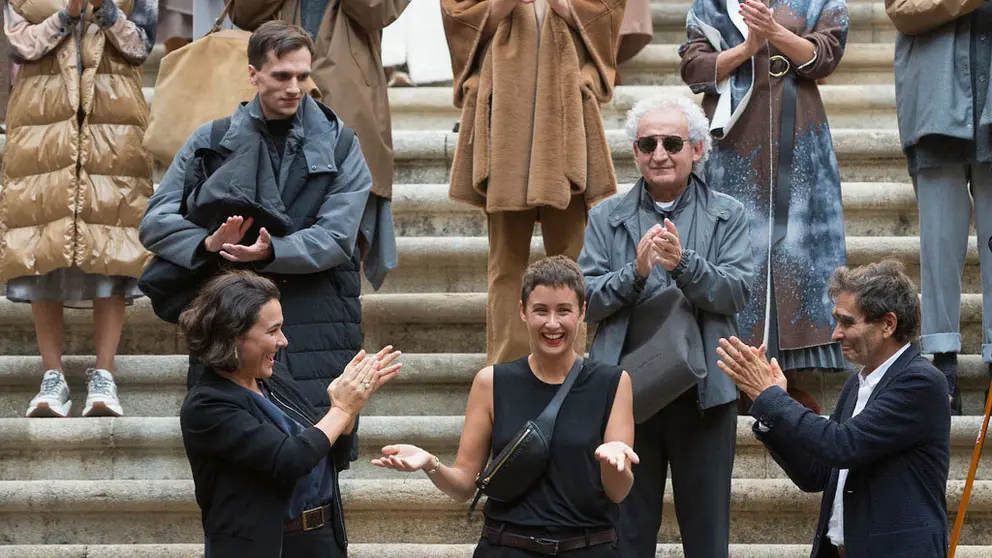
{"x": 881, "y": 459}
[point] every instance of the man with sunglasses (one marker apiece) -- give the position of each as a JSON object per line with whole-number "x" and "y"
{"x": 667, "y": 267}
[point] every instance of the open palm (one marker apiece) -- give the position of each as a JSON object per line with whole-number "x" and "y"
{"x": 403, "y": 457}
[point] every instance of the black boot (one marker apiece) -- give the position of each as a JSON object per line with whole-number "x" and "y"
{"x": 948, "y": 364}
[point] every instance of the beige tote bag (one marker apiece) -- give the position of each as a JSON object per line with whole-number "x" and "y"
{"x": 198, "y": 83}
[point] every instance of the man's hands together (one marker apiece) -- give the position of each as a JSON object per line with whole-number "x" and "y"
{"x": 660, "y": 245}
{"x": 226, "y": 241}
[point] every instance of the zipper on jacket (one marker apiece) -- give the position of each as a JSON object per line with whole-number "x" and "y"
{"x": 485, "y": 481}
{"x": 296, "y": 411}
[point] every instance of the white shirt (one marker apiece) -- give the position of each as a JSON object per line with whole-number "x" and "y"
{"x": 835, "y": 527}
{"x": 666, "y": 206}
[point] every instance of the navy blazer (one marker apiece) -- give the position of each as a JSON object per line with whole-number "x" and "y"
{"x": 897, "y": 451}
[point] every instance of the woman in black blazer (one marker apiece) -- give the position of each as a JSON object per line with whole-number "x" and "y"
{"x": 265, "y": 463}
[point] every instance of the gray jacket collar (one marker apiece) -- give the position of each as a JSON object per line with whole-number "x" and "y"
{"x": 626, "y": 210}
{"x": 316, "y": 126}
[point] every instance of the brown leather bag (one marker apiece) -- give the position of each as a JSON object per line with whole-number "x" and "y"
{"x": 912, "y": 17}
{"x": 198, "y": 83}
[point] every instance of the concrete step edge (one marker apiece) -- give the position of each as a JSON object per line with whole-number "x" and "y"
{"x": 890, "y": 197}
{"x": 163, "y": 432}
{"x": 375, "y": 496}
{"x": 392, "y": 309}
{"x": 431, "y": 146}
{"x": 392, "y": 551}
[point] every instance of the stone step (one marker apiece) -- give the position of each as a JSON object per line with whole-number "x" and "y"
{"x": 658, "y": 64}
{"x": 392, "y": 551}
{"x": 413, "y": 322}
{"x": 381, "y": 511}
{"x": 868, "y": 24}
{"x": 865, "y": 155}
{"x": 430, "y": 384}
{"x": 848, "y": 106}
{"x": 431, "y": 108}
{"x": 152, "y": 448}
{"x": 424, "y": 156}
{"x": 870, "y": 209}
{"x": 458, "y": 264}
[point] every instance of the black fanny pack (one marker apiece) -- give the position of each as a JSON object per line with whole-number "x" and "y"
{"x": 522, "y": 461}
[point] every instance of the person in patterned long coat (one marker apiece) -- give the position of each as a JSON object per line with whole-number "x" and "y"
{"x": 747, "y": 59}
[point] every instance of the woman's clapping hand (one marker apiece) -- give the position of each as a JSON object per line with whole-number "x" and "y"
{"x": 362, "y": 377}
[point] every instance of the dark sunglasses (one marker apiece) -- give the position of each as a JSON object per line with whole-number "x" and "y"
{"x": 672, "y": 144}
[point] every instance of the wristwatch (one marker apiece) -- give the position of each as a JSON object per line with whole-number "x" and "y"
{"x": 435, "y": 468}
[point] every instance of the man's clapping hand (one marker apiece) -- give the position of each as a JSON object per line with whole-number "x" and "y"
{"x": 229, "y": 232}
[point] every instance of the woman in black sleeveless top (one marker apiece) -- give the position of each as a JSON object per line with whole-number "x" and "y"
{"x": 574, "y": 505}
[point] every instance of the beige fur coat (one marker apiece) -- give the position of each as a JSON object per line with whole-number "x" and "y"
{"x": 531, "y": 132}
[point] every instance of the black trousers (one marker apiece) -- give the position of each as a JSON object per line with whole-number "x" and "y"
{"x": 487, "y": 550}
{"x": 699, "y": 446}
{"x": 312, "y": 544}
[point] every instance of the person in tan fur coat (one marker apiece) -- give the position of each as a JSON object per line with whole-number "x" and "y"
{"x": 529, "y": 78}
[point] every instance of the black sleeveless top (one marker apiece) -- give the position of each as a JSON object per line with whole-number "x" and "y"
{"x": 570, "y": 494}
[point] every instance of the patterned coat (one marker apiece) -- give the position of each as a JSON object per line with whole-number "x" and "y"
{"x": 744, "y": 162}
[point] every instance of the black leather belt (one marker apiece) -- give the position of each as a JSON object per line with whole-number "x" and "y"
{"x": 780, "y": 67}
{"x": 310, "y": 520}
{"x": 546, "y": 546}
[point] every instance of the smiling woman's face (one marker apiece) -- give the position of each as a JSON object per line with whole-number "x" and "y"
{"x": 552, "y": 315}
{"x": 258, "y": 346}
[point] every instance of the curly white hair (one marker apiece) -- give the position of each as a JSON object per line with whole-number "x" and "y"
{"x": 699, "y": 125}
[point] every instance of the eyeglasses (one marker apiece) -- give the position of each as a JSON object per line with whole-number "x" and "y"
{"x": 672, "y": 144}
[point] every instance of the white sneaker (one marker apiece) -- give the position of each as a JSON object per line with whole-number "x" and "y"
{"x": 101, "y": 401}
{"x": 53, "y": 399}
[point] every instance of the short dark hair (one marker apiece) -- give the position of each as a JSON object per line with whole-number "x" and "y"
{"x": 880, "y": 288}
{"x": 225, "y": 308}
{"x": 553, "y": 271}
{"x": 277, "y": 37}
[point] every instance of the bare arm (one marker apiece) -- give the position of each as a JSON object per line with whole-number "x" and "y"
{"x": 458, "y": 480}
{"x": 616, "y": 455}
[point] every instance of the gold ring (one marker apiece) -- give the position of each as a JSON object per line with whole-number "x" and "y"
{"x": 788, "y": 65}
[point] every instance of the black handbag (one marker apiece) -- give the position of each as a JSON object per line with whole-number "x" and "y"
{"x": 523, "y": 461}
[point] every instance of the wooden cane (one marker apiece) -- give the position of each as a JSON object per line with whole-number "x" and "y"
{"x": 972, "y": 469}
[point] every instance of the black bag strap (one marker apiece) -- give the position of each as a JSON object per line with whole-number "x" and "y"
{"x": 343, "y": 147}
{"x": 547, "y": 418}
{"x": 786, "y": 149}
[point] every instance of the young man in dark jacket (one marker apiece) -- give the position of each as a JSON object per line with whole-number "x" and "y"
{"x": 316, "y": 265}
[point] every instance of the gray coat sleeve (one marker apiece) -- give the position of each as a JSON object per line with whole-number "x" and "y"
{"x": 331, "y": 240}
{"x": 607, "y": 291}
{"x": 163, "y": 231}
{"x": 723, "y": 286}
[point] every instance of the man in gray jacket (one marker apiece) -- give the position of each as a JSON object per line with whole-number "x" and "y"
{"x": 316, "y": 264}
{"x": 667, "y": 267}
{"x": 945, "y": 126}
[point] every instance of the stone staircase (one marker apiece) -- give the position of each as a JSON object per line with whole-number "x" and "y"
{"x": 121, "y": 488}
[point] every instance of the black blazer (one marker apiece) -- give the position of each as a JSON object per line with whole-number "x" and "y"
{"x": 245, "y": 467}
{"x": 897, "y": 451}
